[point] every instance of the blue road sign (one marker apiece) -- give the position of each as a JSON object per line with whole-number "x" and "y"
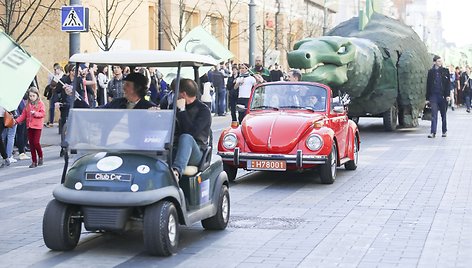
{"x": 74, "y": 19}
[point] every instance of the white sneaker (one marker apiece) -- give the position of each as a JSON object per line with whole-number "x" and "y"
{"x": 23, "y": 156}
{"x": 12, "y": 160}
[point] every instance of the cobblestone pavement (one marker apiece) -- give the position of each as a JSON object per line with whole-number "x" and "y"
{"x": 408, "y": 204}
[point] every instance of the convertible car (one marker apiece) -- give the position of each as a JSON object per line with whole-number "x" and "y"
{"x": 292, "y": 126}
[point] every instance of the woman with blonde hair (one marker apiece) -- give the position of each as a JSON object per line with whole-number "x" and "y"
{"x": 33, "y": 114}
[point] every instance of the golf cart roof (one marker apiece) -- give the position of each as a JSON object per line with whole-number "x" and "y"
{"x": 145, "y": 58}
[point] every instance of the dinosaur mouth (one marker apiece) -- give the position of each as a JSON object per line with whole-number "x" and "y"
{"x": 327, "y": 73}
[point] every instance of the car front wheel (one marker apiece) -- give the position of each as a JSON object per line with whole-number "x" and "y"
{"x": 328, "y": 169}
{"x": 231, "y": 171}
{"x": 352, "y": 164}
{"x": 161, "y": 229}
{"x": 61, "y": 226}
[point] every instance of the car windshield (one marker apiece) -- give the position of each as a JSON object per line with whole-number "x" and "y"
{"x": 119, "y": 130}
{"x": 289, "y": 96}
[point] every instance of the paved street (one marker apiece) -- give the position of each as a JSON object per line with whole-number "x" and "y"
{"x": 409, "y": 204}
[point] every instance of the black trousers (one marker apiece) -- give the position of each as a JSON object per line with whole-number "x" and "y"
{"x": 440, "y": 106}
{"x": 242, "y": 114}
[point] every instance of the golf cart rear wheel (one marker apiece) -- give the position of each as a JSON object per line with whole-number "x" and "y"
{"x": 161, "y": 229}
{"x": 328, "y": 169}
{"x": 231, "y": 171}
{"x": 61, "y": 226}
{"x": 221, "y": 218}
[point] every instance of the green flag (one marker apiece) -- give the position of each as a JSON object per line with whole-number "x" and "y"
{"x": 17, "y": 70}
{"x": 200, "y": 41}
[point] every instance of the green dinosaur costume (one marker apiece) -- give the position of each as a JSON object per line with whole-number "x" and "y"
{"x": 383, "y": 68}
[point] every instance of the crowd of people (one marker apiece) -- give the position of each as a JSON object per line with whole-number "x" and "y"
{"x": 229, "y": 86}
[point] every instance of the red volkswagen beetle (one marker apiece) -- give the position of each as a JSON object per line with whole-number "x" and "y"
{"x": 292, "y": 126}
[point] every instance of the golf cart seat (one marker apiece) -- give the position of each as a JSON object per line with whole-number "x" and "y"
{"x": 204, "y": 163}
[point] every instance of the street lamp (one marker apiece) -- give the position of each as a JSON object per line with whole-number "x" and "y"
{"x": 252, "y": 31}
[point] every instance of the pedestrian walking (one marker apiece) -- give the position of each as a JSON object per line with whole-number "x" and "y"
{"x": 3, "y": 152}
{"x": 465, "y": 87}
{"x": 437, "y": 94}
{"x": 217, "y": 79}
{"x": 244, "y": 83}
{"x": 233, "y": 94}
{"x": 21, "y": 139}
{"x": 8, "y": 137}
{"x": 33, "y": 114}
{"x": 102, "y": 81}
{"x": 50, "y": 91}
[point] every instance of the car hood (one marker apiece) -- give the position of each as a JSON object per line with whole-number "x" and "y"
{"x": 276, "y": 132}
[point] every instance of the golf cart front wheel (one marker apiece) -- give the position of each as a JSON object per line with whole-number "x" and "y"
{"x": 221, "y": 218}
{"x": 61, "y": 226}
{"x": 161, "y": 229}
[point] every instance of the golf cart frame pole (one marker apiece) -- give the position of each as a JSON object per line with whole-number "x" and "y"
{"x": 176, "y": 96}
{"x": 64, "y": 145}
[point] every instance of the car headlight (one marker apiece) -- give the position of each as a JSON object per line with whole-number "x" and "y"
{"x": 230, "y": 141}
{"x": 314, "y": 142}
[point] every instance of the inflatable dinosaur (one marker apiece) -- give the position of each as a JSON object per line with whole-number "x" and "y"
{"x": 382, "y": 67}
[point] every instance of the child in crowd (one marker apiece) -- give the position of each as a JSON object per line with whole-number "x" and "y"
{"x": 33, "y": 114}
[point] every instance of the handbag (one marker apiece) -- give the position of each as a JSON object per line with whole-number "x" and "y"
{"x": 8, "y": 120}
{"x": 426, "y": 113}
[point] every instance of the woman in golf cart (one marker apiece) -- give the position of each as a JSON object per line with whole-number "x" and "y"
{"x": 135, "y": 89}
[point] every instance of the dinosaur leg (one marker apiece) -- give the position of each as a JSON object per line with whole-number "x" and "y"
{"x": 411, "y": 89}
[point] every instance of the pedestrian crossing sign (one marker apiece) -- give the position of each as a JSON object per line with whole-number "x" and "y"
{"x": 74, "y": 19}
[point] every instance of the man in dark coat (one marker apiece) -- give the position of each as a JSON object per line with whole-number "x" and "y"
{"x": 437, "y": 94}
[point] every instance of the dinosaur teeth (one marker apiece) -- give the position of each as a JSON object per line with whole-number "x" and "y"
{"x": 314, "y": 68}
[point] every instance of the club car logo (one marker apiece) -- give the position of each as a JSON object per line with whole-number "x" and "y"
{"x": 108, "y": 177}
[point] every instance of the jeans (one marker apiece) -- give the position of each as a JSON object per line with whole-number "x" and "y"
{"x": 8, "y": 137}
{"x": 221, "y": 98}
{"x": 52, "y": 108}
{"x": 21, "y": 137}
{"x": 34, "y": 135}
{"x": 467, "y": 100}
{"x": 3, "y": 151}
{"x": 440, "y": 106}
{"x": 188, "y": 153}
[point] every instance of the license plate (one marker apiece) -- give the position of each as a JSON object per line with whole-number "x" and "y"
{"x": 107, "y": 177}
{"x": 276, "y": 165}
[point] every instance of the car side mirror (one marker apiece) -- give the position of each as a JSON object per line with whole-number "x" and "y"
{"x": 339, "y": 109}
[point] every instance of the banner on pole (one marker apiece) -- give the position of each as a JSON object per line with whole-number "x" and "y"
{"x": 18, "y": 69}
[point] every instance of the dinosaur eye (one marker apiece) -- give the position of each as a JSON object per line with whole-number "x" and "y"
{"x": 342, "y": 50}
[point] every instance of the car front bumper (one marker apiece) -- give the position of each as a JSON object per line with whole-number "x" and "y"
{"x": 299, "y": 159}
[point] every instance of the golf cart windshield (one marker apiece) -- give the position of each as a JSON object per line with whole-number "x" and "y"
{"x": 119, "y": 130}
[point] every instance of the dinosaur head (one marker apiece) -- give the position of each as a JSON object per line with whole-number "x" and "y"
{"x": 324, "y": 59}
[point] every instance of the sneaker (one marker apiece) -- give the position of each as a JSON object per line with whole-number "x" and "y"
{"x": 23, "y": 156}
{"x": 432, "y": 135}
{"x": 7, "y": 162}
{"x": 40, "y": 162}
{"x": 444, "y": 135}
{"x": 12, "y": 160}
{"x": 33, "y": 165}
{"x": 176, "y": 175}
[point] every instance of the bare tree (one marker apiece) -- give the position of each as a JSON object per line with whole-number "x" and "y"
{"x": 232, "y": 9}
{"x": 23, "y": 18}
{"x": 175, "y": 33}
{"x": 313, "y": 21}
{"x": 113, "y": 16}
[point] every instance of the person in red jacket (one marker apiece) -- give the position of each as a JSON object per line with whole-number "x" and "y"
{"x": 33, "y": 114}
